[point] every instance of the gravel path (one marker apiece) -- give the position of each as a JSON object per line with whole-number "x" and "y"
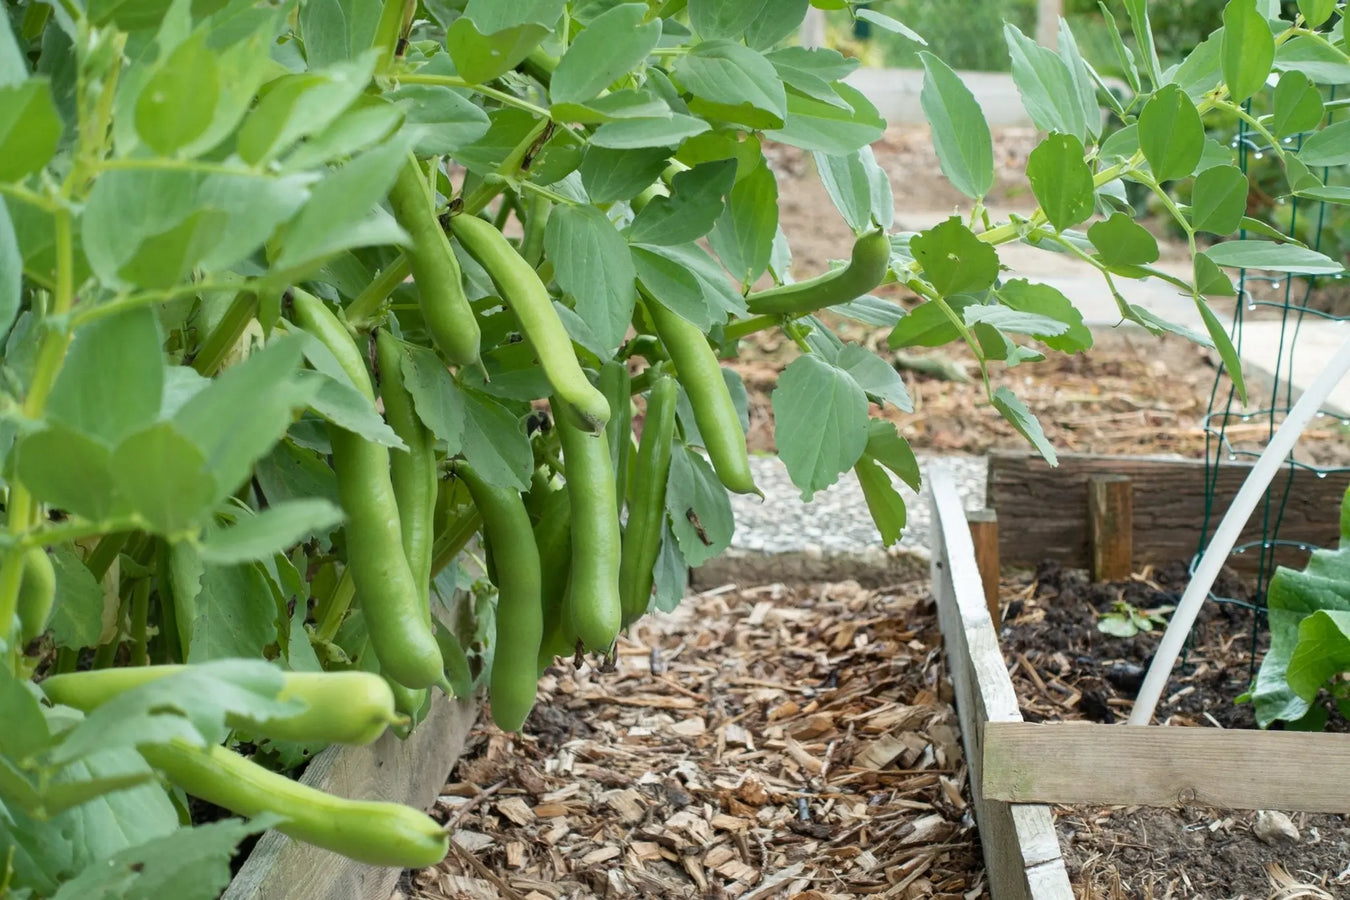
{"x": 833, "y": 535}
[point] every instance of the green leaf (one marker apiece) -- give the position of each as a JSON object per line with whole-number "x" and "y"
{"x": 613, "y": 175}
{"x": 439, "y": 120}
{"x": 1322, "y": 587}
{"x": 628, "y": 134}
{"x": 435, "y": 395}
{"x": 886, "y": 446}
{"x": 297, "y": 106}
{"x": 274, "y": 530}
{"x": 1044, "y": 301}
{"x": 1297, "y": 105}
{"x": 1143, "y": 33}
{"x": 767, "y": 30}
{"x": 343, "y": 211}
{"x": 27, "y": 734}
{"x": 871, "y": 311}
{"x": 77, "y": 616}
{"x": 820, "y": 423}
{"x": 13, "y": 68}
{"x": 1012, "y": 409}
{"x": 1062, "y": 180}
{"x": 883, "y": 500}
{"x": 164, "y": 477}
{"x": 698, "y": 507}
{"x": 112, "y": 382}
{"x": 961, "y": 137}
{"x": 612, "y": 45}
{"x": 187, "y": 864}
{"x": 1273, "y": 258}
{"x": 1121, "y": 241}
{"x": 878, "y": 379}
{"x": 926, "y": 325}
{"x": 68, "y": 471}
{"x": 1048, "y": 89}
{"x": 730, "y": 19}
{"x": 691, "y": 210}
{"x": 1210, "y": 280}
{"x": 1316, "y": 58}
{"x": 1328, "y": 147}
{"x": 30, "y": 128}
{"x": 686, "y": 280}
{"x": 1248, "y": 49}
{"x": 1322, "y": 652}
{"x": 1202, "y": 69}
{"x": 241, "y": 415}
{"x": 339, "y": 402}
{"x": 236, "y": 617}
{"x": 814, "y": 124}
{"x": 744, "y": 233}
{"x": 492, "y": 16}
{"x": 1219, "y": 200}
{"x": 811, "y": 72}
{"x": 11, "y": 271}
{"x": 335, "y": 31}
{"x": 858, "y": 187}
{"x": 894, "y": 26}
{"x": 1171, "y": 134}
{"x": 370, "y": 121}
{"x": 672, "y": 572}
{"x": 480, "y": 57}
{"x": 732, "y": 83}
{"x": 152, "y": 228}
{"x": 1015, "y": 321}
{"x": 1316, "y": 11}
{"x": 1232, "y": 361}
{"x": 954, "y": 260}
{"x": 44, "y": 853}
{"x": 291, "y": 472}
{"x": 591, "y": 262}
{"x": 495, "y": 443}
{"x": 178, "y": 103}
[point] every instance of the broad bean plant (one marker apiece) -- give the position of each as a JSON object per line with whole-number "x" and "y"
{"x": 302, "y": 299}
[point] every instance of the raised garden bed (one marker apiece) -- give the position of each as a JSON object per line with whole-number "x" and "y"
{"x": 1155, "y": 811}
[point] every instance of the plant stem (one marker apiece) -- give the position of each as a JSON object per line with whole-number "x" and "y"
{"x": 151, "y": 298}
{"x": 450, "y": 542}
{"x": 212, "y": 352}
{"x": 369, "y": 305}
{"x": 332, "y": 612}
{"x": 140, "y": 613}
{"x": 743, "y": 328}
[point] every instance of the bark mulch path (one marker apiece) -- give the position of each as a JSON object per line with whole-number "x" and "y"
{"x": 765, "y": 742}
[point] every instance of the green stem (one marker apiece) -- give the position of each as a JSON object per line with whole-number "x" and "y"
{"x": 67, "y": 660}
{"x": 743, "y": 328}
{"x": 332, "y": 612}
{"x": 127, "y": 302}
{"x": 78, "y": 529}
{"x": 140, "y": 615}
{"x": 455, "y": 538}
{"x": 32, "y": 198}
{"x": 23, "y": 512}
{"x": 369, "y": 305}
{"x": 212, "y": 352}
{"x": 106, "y": 553}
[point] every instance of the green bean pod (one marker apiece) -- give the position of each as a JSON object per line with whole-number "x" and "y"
{"x": 368, "y": 831}
{"x": 867, "y": 267}
{"x": 528, "y": 299}
{"x": 37, "y": 592}
{"x": 412, "y": 473}
{"x": 617, "y": 386}
{"x": 506, "y": 526}
{"x": 700, "y": 374}
{"x": 340, "y": 707}
{"x": 647, "y": 508}
{"x": 440, "y": 287}
{"x": 389, "y": 595}
{"x": 597, "y": 613}
{"x": 553, "y": 537}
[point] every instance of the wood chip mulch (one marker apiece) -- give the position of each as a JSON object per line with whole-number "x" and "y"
{"x": 758, "y": 743}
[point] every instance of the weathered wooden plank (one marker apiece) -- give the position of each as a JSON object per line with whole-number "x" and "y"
{"x": 1021, "y": 850}
{"x": 1045, "y": 510}
{"x": 984, "y": 534}
{"x": 1157, "y": 765}
{"x": 411, "y": 771}
{"x": 1111, "y": 526}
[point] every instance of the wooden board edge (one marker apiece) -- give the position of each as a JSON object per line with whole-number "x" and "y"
{"x": 411, "y": 772}
{"x": 1165, "y": 766}
{"x": 1022, "y": 853}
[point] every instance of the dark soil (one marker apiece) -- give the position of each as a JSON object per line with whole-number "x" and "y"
{"x": 1065, "y": 668}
